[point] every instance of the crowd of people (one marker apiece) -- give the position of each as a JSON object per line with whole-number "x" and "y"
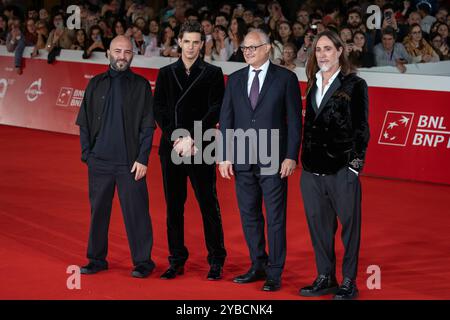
{"x": 410, "y": 32}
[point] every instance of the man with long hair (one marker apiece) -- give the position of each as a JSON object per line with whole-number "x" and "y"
{"x": 336, "y": 134}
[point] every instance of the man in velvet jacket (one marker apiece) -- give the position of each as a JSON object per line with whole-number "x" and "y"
{"x": 335, "y": 139}
{"x": 186, "y": 91}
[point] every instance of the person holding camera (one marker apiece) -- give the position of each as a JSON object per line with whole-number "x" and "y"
{"x": 305, "y": 50}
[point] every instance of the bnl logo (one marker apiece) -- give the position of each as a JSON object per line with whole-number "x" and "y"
{"x": 430, "y": 130}
{"x": 396, "y": 128}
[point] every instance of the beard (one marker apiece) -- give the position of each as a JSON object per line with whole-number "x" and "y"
{"x": 325, "y": 67}
{"x": 119, "y": 64}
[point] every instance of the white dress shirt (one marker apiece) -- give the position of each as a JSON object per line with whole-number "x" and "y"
{"x": 319, "y": 79}
{"x": 261, "y": 76}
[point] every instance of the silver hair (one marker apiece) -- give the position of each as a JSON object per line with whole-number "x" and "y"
{"x": 263, "y": 36}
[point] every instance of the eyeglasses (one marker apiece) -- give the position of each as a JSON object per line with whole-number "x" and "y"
{"x": 251, "y": 49}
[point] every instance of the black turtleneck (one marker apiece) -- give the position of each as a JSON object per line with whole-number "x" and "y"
{"x": 110, "y": 145}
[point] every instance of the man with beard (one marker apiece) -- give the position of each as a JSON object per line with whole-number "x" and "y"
{"x": 116, "y": 131}
{"x": 336, "y": 135}
{"x": 354, "y": 21}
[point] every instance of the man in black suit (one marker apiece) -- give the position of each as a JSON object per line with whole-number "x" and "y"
{"x": 188, "y": 91}
{"x": 116, "y": 131}
{"x": 259, "y": 99}
{"x": 335, "y": 138}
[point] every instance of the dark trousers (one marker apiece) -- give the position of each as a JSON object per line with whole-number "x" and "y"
{"x": 251, "y": 188}
{"x": 203, "y": 181}
{"x": 326, "y": 199}
{"x": 133, "y": 196}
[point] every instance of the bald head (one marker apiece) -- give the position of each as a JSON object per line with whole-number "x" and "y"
{"x": 121, "y": 41}
{"x": 120, "y": 53}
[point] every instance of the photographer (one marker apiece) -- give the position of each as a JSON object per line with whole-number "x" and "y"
{"x": 390, "y": 20}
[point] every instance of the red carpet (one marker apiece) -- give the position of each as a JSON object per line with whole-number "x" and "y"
{"x": 44, "y": 219}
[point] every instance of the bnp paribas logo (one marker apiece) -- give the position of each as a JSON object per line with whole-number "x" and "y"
{"x": 396, "y": 128}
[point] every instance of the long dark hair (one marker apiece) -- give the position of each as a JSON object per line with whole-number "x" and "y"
{"x": 312, "y": 67}
{"x": 242, "y": 29}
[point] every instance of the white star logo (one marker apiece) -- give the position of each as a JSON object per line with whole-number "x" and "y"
{"x": 392, "y": 125}
{"x": 386, "y": 135}
{"x": 404, "y": 120}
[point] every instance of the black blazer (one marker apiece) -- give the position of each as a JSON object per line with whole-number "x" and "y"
{"x": 178, "y": 104}
{"x": 279, "y": 107}
{"x": 337, "y": 134}
{"x": 137, "y": 110}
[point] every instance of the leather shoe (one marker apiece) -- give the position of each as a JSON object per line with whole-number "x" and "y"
{"x": 272, "y": 285}
{"x": 215, "y": 272}
{"x": 324, "y": 284}
{"x": 172, "y": 272}
{"x": 251, "y": 276}
{"x": 142, "y": 271}
{"x": 92, "y": 268}
{"x": 347, "y": 290}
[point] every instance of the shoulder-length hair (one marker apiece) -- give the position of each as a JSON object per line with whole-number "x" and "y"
{"x": 312, "y": 66}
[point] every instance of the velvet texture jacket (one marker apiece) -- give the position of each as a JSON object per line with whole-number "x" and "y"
{"x": 180, "y": 99}
{"x": 337, "y": 133}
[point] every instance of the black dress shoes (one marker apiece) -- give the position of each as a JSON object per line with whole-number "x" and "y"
{"x": 172, "y": 272}
{"x": 92, "y": 268}
{"x": 272, "y": 285}
{"x": 142, "y": 271}
{"x": 347, "y": 290}
{"x": 251, "y": 276}
{"x": 324, "y": 284}
{"x": 215, "y": 272}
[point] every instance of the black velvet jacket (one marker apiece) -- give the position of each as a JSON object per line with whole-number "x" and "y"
{"x": 337, "y": 134}
{"x": 180, "y": 100}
